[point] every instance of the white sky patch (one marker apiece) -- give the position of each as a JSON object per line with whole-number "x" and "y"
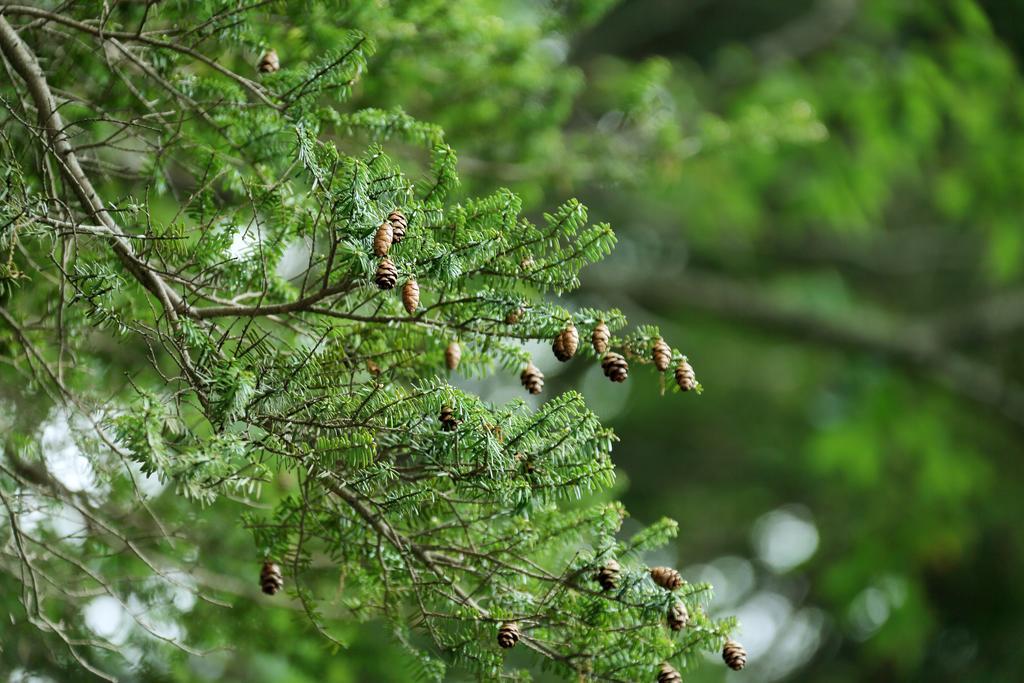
{"x": 243, "y": 242}
{"x": 107, "y": 618}
{"x": 64, "y": 460}
{"x": 785, "y": 538}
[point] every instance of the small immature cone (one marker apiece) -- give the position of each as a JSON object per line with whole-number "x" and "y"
{"x": 399, "y": 224}
{"x": 615, "y": 367}
{"x": 677, "y": 616}
{"x": 387, "y": 274}
{"x": 269, "y": 62}
{"x": 372, "y": 367}
{"x": 271, "y": 580}
{"x": 452, "y": 355}
{"x": 668, "y": 674}
{"x": 532, "y": 378}
{"x": 514, "y": 316}
{"x": 382, "y": 239}
{"x": 448, "y": 420}
{"x": 661, "y": 355}
{"x": 685, "y": 377}
{"x": 734, "y": 655}
{"x": 566, "y": 343}
{"x": 526, "y": 263}
{"x": 667, "y": 578}
{"x": 600, "y": 338}
{"x": 508, "y": 635}
{"x": 608, "y": 575}
{"x": 411, "y": 296}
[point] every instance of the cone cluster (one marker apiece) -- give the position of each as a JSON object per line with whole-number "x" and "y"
{"x": 452, "y": 355}
{"x": 387, "y": 274}
{"x": 685, "y": 377}
{"x": 608, "y": 575}
{"x": 661, "y": 355}
{"x": 677, "y": 617}
{"x": 269, "y": 62}
{"x": 508, "y": 635}
{"x": 615, "y": 367}
{"x": 667, "y": 578}
{"x": 566, "y": 343}
{"x": 734, "y": 655}
{"x": 399, "y": 224}
{"x": 411, "y": 295}
{"x": 271, "y": 580}
{"x": 600, "y": 338}
{"x": 668, "y": 674}
{"x": 532, "y": 378}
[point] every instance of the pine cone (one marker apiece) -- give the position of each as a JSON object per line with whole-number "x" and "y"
{"x": 532, "y": 378}
{"x": 667, "y": 578}
{"x": 448, "y": 420}
{"x": 382, "y": 239}
{"x": 271, "y": 580}
{"x": 615, "y": 367}
{"x": 411, "y": 295}
{"x": 372, "y": 367}
{"x": 399, "y": 224}
{"x": 668, "y": 674}
{"x": 678, "y": 617}
{"x": 608, "y": 575}
{"x": 734, "y": 655}
{"x": 566, "y": 343}
{"x": 508, "y": 635}
{"x": 452, "y": 355}
{"x": 526, "y": 263}
{"x": 269, "y": 62}
{"x": 387, "y": 274}
{"x": 600, "y": 338}
{"x": 514, "y": 316}
{"x": 661, "y": 355}
{"x": 685, "y": 377}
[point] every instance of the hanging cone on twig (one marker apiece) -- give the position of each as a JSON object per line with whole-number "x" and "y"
{"x": 387, "y": 274}
{"x": 452, "y": 355}
{"x": 399, "y": 224}
{"x": 382, "y": 240}
{"x": 532, "y": 378}
{"x": 685, "y": 377}
{"x": 734, "y": 655}
{"x": 411, "y": 295}
{"x": 678, "y": 617}
{"x": 667, "y": 578}
{"x": 566, "y": 343}
{"x": 508, "y": 635}
{"x": 269, "y": 62}
{"x": 615, "y": 367}
{"x": 372, "y": 367}
{"x": 608, "y": 575}
{"x": 600, "y": 337}
{"x": 661, "y": 355}
{"x": 668, "y": 674}
{"x": 448, "y": 420}
{"x": 271, "y": 580}
{"x": 514, "y": 316}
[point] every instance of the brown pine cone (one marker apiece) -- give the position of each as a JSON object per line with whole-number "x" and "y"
{"x": 399, "y": 224}
{"x": 667, "y": 578}
{"x": 269, "y": 62}
{"x": 411, "y": 295}
{"x": 387, "y": 274}
{"x": 372, "y": 367}
{"x": 271, "y": 580}
{"x": 668, "y": 674}
{"x": 678, "y": 617}
{"x": 608, "y": 575}
{"x": 449, "y": 422}
{"x": 514, "y": 316}
{"x": 661, "y": 355}
{"x": 600, "y": 338}
{"x": 532, "y": 378}
{"x": 452, "y": 355}
{"x": 566, "y": 343}
{"x": 508, "y": 635}
{"x": 382, "y": 239}
{"x": 734, "y": 655}
{"x": 685, "y": 377}
{"x": 615, "y": 367}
